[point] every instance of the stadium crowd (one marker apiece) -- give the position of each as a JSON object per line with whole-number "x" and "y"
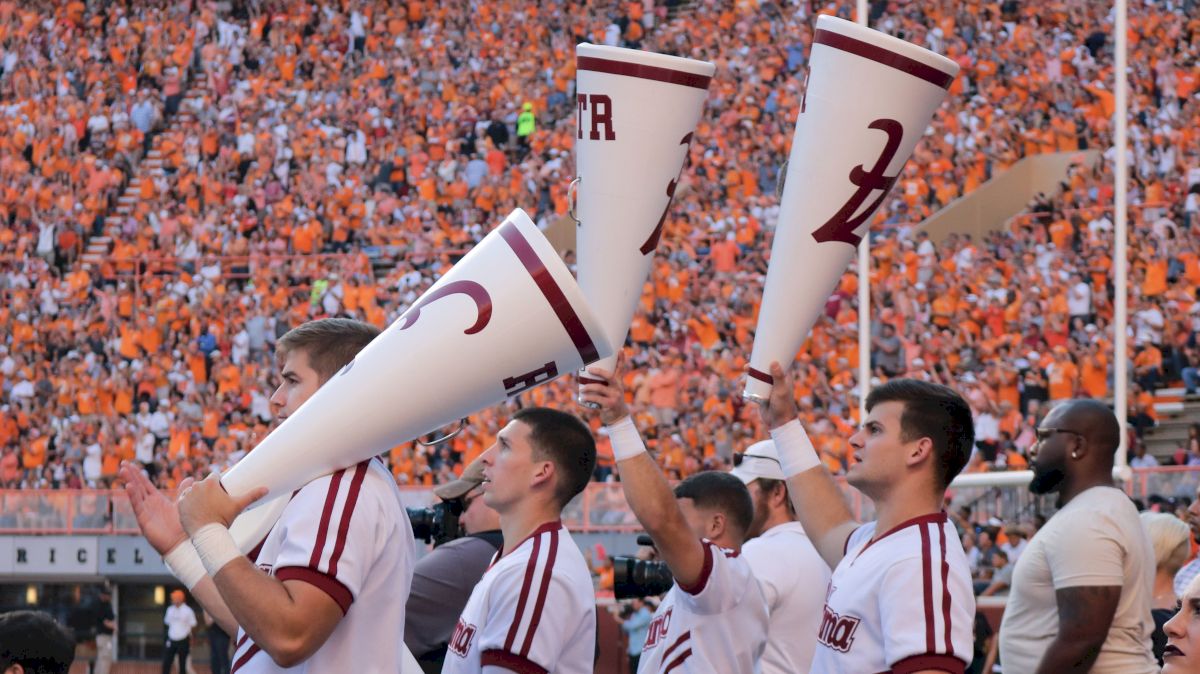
{"x": 326, "y": 141}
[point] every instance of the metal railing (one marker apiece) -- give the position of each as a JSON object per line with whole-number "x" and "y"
{"x": 600, "y": 508}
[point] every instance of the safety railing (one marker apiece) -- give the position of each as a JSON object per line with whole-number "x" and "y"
{"x": 600, "y": 508}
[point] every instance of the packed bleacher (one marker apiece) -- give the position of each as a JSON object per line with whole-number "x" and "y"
{"x": 336, "y": 158}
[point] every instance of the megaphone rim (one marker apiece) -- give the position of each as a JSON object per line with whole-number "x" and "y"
{"x": 562, "y": 291}
{"x": 645, "y": 58}
{"x": 837, "y": 26}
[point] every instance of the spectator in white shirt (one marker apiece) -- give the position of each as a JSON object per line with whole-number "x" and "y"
{"x": 180, "y": 620}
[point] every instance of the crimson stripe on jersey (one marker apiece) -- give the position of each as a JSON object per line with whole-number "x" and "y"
{"x": 250, "y": 653}
{"x": 935, "y": 661}
{"x": 509, "y": 661}
{"x": 678, "y": 642}
{"x": 547, "y": 572}
{"x": 927, "y": 578}
{"x": 347, "y": 512}
{"x": 324, "y": 582}
{"x": 705, "y": 572}
{"x": 678, "y": 661}
{"x": 326, "y": 513}
{"x": 238, "y": 645}
{"x": 945, "y": 590}
{"x": 530, "y": 566}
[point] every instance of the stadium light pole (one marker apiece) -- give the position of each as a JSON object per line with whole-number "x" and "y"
{"x": 864, "y": 287}
{"x": 1121, "y": 235}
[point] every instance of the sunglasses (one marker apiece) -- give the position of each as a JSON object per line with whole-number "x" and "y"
{"x": 739, "y": 458}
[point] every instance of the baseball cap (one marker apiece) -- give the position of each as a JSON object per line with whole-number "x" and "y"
{"x": 760, "y": 460}
{"x": 472, "y": 476}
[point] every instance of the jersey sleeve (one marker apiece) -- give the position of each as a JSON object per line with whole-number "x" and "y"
{"x": 532, "y": 612}
{"x": 1088, "y": 552}
{"x": 926, "y": 609}
{"x": 722, "y": 584}
{"x": 330, "y": 538}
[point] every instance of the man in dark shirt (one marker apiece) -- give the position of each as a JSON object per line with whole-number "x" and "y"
{"x": 443, "y": 579}
{"x": 106, "y": 626}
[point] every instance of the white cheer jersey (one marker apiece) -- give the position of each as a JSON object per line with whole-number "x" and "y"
{"x": 719, "y": 625}
{"x": 347, "y": 534}
{"x": 793, "y": 578}
{"x": 901, "y": 603}
{"x": 534, "y": 610}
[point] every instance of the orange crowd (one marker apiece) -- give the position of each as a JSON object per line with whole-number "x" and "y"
{"x": 334, "y": 158}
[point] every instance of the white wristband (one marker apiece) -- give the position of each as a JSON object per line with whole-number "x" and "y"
{"x": 626, "y": 441}
{"x": 183, "y": 563}
{"x": 796, "y": 451}
{"x": 215, "y": 546}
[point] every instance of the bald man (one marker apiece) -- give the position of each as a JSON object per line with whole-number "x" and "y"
{"x": 1081, "y": 591}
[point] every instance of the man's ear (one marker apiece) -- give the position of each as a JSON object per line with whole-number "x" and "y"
{"x": 544, "y": 473}
{"x": 779, "y": 495}
{"x": 15, "y": 668}
{"x": 920, "y": 451}
{"x": 717, "y": 524}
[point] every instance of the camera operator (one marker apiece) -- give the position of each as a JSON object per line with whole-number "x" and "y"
{"x": 443, "y": 579}
{"x": 714, "y": 618}
{"x": 785, "y": 562}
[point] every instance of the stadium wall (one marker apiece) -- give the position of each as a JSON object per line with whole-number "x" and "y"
{"x": 993, "y": 204}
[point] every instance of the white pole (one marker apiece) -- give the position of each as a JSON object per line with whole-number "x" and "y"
{"x": 864, "y": 289}
{"x": 1121, "y": 259}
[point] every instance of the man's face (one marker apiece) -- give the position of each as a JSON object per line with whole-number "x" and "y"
{"x": 1048, "y": 456}
{"x": 762, "y": 508}
{"x": 297, "y": 383}
{"x": 510, "y": 469}
{"x": 477, "y": 515}
{"x": 878, "y": 448}
{"x": 1193, "y": 516}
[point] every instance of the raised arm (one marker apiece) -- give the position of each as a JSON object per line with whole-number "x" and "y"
{"x": 646, "y": 489}
{"x": 816, "y": 496}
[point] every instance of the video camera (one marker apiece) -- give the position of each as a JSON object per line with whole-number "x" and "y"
{"x": 633, "y": 577}
{"x": 438, "y": 523}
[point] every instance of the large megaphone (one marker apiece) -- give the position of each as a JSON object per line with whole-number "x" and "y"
{"x": 868, "y": 100}
{"x": 636, "y": 112}
{"x": 509, "y": 316}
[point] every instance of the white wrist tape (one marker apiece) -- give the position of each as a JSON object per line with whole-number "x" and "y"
{"x": 626, "y": 441}
{"x": 184, "y": 563}
{"x": 796, "y": 451}
{"x": 215, "y": 546}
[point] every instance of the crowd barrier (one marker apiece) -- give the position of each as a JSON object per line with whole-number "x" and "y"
{"x": 600, "y": 508}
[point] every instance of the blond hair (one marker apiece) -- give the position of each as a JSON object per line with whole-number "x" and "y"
{"x": 1169, "y": 536}
{"x": 329, "y": 343}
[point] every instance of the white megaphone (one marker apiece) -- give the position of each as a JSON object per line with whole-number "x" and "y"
{"x": 636, "y": 112}
{"x": 509, "y": 316}
{"x": 868, "y": 100}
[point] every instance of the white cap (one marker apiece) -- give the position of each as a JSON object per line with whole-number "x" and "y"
{"x": 759, "y": 461}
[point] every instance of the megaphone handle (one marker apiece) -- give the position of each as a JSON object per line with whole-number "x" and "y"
{"x": 571, "y": 190}
{"x": 462, "y": 424}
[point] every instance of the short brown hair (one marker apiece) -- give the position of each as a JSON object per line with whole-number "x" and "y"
{"x": 567, "y": 442}
{"x": 720, "y": 491}
{"x": 329, "y": 343}
{"x": 936, "y": 412}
